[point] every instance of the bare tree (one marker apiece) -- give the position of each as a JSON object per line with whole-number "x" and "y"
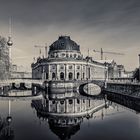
{"x": 4, "y": 59}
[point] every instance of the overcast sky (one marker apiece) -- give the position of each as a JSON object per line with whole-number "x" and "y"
{"x": 113, "y": 25}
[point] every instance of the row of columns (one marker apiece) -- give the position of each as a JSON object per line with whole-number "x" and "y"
{"x": 73, "y": 108}
{"x": 66, "y": 73}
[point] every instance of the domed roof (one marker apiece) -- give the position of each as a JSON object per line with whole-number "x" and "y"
{"x": 64, "y": 43}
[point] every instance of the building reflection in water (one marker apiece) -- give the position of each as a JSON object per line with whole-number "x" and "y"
{"x": 65, "y": 114}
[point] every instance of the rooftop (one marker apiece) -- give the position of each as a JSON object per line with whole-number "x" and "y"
{"x": 64, "y": 43}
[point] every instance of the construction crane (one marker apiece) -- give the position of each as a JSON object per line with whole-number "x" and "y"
{"x": 29, "y": 56}
{"x": 40, "y": 47}
{"x": 102, "y": 53}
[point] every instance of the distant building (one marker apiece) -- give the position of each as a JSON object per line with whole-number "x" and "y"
{"x": 114, "y": 70}
{"x": 18, "y": 72}
{"x": 20, "y": 75}
{"x": 121, "y": 71}
{"x": 4, "y": 59}
{"x": 65, "y": 62}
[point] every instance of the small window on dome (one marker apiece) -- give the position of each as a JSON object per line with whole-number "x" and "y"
{"x": 79, "y": 56}
{"x": 52, "y": 55}
{"x": 62, "y": 43}
{"x": 56, "y": 55}
{"x": 75, "y": 55}
{"x": 70, "y": 55}
{"x": 63, "y": 54}
{"x": 67, "y": 55}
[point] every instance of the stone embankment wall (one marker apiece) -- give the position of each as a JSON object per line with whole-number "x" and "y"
{"x": 132, "y": 89}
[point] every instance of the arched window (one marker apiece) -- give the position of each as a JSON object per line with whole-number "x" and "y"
{"x": 88, "y": 73}
{"x": 62, "y": 102}
{"x": 53, "y": 75}
{"x": 62, "y": 75}
{"x": 70, "y": 76}
{"x": 78, "y": 75}
{"x": 47, "y": 76}
{"x": 83, "y": 75}
{"x": 78, "y": 101}
{"x": 70, "y": 101}
{"x": 53, "y": 102}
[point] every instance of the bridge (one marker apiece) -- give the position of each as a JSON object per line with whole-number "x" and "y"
{"x": 19, "y": 84}
{"x": 23, "y": 84}
{"x": 91, "y": 88}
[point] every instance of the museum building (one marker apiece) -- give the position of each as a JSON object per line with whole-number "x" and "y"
{"x": 66, "y": 62}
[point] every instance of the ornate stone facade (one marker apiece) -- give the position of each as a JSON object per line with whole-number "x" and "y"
{"x": 65, "y": 62}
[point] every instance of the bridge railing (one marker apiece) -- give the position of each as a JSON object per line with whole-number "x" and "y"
{"x": 5, "y": 82}
{"x": 123, "y": 81}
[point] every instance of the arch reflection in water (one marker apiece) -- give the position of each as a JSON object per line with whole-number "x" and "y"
{"x": 65, "y": 115}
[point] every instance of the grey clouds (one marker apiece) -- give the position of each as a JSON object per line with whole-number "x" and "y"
{"x": 111, "y": 24}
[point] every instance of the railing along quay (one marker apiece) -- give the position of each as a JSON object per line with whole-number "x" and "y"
{"x": 18, "y": 81}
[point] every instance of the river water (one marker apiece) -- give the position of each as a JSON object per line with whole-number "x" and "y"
{"x": 72, "y": 118}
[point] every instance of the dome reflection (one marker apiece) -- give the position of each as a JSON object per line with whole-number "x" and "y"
{"x": 65, "y": 115}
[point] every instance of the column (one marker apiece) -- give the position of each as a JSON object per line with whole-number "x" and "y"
{"x": 74, "y": 77}
{"x": 57, "y": 106}
{"x": 43, "y": 73}
{"x": 49, "y": 106}
{"x": 66, "y": 105}
{"x": 49, "y": 76}
{"x": 74, "y": 104}
{"x": 87, "y": 72}
{"x": 57, "y": 75}
{"x": 81, "y": 72}
{"x": 65, "y": 71}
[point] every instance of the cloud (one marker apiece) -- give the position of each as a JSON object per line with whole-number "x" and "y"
{"x": 88, "y": 12}
{"x": 111, "y": 24}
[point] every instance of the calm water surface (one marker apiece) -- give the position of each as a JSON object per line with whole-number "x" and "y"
{"x": 34, "y": 120}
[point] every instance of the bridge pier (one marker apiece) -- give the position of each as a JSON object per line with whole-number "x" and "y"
{"x": 4, "y": 89}
{"x": 22, "y": 86}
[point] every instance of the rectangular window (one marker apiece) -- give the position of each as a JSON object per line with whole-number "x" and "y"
{"x": 78, "y": 67}
{"x": 70, "y": 67}
{"x": 61, "y": 67}
{"x": 53, "y": 66}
